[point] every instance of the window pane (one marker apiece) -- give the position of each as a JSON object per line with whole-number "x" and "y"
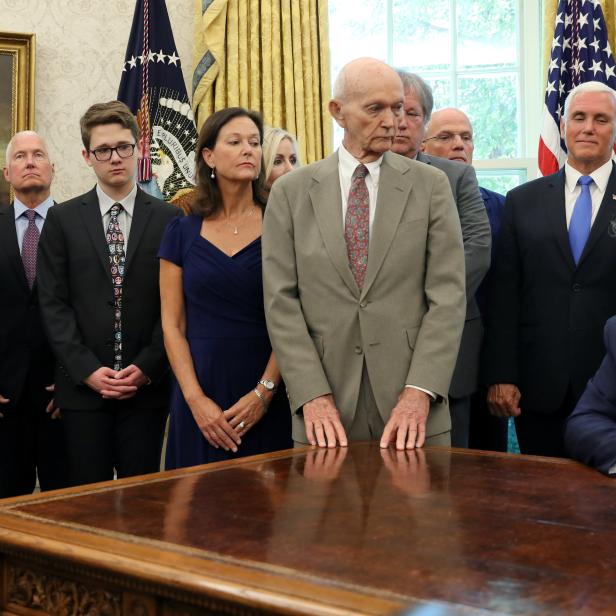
{"x": 441, "y": 91}
{"x": 501, "y": 180}
{"x": 357, "y": 28}
{"x": 492, "y": 104}
{"x": 486, "y": 33}
{"x": 421, "y": 34}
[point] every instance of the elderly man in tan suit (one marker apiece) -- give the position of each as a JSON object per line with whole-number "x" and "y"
{"x": 363, "y": 270}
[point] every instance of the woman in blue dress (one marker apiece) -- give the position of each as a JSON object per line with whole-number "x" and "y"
{"x": 227, "y": 398}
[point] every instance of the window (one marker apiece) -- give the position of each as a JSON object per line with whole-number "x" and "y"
{"x": 483, "y": 56}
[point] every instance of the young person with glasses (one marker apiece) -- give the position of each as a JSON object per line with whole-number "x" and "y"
{"x": 100, "y": 300}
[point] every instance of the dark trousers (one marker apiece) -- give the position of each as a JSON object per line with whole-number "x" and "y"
{"x": 31, "y": 441}
{"x": 117, "y": 437}
{"x": 542, "y": 434}
{"x": 486, "y": 431}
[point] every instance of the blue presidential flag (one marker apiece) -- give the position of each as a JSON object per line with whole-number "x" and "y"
{"x": 153, "y": 87}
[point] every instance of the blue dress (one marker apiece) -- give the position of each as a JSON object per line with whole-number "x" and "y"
{"x": 228, "y": 340}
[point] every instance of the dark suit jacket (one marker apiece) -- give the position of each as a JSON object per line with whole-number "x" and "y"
{"x": 477, "y": 242}
{"x": 591, "y": 429}
{"x": 23, "y": 345}
{"x": 545, "y": 315}
{"x": 76, "y": 297}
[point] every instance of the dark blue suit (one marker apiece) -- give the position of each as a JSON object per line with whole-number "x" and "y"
{"x": 591, "y": 429}
{"x": 486, "y": 431}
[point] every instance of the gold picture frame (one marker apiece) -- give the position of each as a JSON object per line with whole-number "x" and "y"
{"x": 17, "y": 56}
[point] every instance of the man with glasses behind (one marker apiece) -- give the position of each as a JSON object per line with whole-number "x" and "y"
{"x": 411, "y": 132}
{"x": 99, "y": 296}
{"x": 449, "y": 134}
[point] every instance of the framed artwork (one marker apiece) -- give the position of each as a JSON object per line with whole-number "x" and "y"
{"x": 16, "y": 93}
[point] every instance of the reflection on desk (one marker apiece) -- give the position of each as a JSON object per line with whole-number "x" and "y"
{"x": 344, "y": 531}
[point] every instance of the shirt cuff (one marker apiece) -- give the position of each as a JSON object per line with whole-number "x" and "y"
{"x": 612, "y": 470}
{"x": 426, "y": 391}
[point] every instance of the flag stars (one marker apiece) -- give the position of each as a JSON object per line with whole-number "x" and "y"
{"x": 173, "y": 59}
{"x": 151, "y": 56}
{"x": 556, "y": 43}
{"x": 581, "y": 43}
{"x": 578, "y": 66}
{"x": 132, "y": 62}
{"x": 595, "y": 45}
{"x": 595, "y": 24}
{"x": 567, "y": 43}
{"x": 609, "y": 71}
{"x": 142, "y": 58}
{"x": 559, "y": 19}
{"x": 553, "y": 65}
{"x": 596, "y": 67}
{"x": 583, "y": 20}
{"x": 161, "y": 56}
{"x": 568, "y": 20}
{"x": 550, "y": 88}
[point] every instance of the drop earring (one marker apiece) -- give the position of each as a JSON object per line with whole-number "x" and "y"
{"x": 213, "y": 175}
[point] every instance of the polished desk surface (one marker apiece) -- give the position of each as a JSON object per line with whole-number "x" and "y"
{"x": 348, "y": 531}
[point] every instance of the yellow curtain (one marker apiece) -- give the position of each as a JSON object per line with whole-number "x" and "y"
{"x": 271, "y": 56}
{"x": 549, "y": 16}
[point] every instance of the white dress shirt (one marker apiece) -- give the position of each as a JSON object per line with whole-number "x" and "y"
{"x": 21, "y": 221}
{"x": 597, "y": 188}
{"x": 125, "y": 217}
{"x": 347, "y": 164}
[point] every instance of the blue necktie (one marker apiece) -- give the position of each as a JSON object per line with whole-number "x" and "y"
{"x": 579, "y": 225}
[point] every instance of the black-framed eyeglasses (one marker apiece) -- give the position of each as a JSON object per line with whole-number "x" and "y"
{"x": 124, "y": 150}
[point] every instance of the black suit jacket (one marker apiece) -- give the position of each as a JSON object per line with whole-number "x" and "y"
{"x": 76, "y": 297}
{"x": 545, "y": 314}
{"x": 477, "y": 239}
{"x": 23, "y": 345}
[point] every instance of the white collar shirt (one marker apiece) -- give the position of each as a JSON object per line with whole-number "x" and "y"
{"x": 597, "y": 188}
{"x": 125, "y": 217}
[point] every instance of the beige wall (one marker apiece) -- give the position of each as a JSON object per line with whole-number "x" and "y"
{"x": 80, "y": 47}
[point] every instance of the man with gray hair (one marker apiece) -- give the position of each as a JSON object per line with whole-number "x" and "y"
{"x": 476, "y": 235}
{"x": 363, "y": 272}
{"x": 553, "y": 285}
{"x": 31, "y": 435}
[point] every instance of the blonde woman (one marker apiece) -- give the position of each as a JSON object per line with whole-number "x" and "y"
{"x": 280, "y": 154}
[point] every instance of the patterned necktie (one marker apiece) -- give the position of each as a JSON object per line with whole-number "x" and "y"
{"x": 117, "y": 259}
{"x": 29, "y": 247}
{"x": 357, "y": 225}
{"x": 579, "y": 225}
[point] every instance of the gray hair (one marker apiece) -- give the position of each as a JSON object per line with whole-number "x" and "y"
{"x": 412, "y": 81}
{"x": 21, "y": 133}
{"x": 587, "y": 86}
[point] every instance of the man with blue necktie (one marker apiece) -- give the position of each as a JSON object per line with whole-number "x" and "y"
{"x": 31, "y": 437}
{"x": 553, "y": 285}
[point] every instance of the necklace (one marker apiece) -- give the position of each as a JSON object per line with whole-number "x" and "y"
{"x": 236, "y": 227}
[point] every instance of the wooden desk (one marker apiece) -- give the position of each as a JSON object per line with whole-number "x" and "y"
{"x": 357, "y": 531}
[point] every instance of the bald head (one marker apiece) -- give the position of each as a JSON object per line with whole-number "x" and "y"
{"x": 450, "y": 135}
{"x": 354, "y": 76}
{"x": 367, "y": 104}
{"x": 28, "y": 168}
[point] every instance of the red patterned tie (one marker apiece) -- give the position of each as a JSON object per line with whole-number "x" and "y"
{"x": 115, "y": 241}
{"x": 357, "y": 225}
{"x": 29, "y": 247}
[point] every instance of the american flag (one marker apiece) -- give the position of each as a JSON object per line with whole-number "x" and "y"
{"x": 580, "y": 52}
{"x": 153, "y": 87}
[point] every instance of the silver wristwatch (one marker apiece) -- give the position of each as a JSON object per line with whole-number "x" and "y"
{"x": 269, "y": 385}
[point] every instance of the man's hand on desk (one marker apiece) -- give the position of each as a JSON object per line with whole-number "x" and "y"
{"x": 504, "y": 400}
{"x": 322, "y": 421}
{"x": 407, "y": 423}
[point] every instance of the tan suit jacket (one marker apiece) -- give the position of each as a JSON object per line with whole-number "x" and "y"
{"x": 406, "y": 322}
